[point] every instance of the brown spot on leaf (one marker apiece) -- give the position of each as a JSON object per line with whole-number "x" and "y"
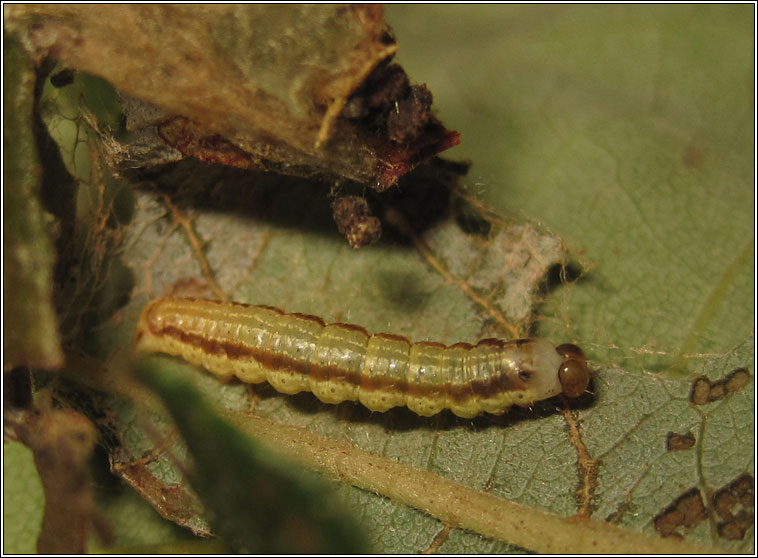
{"x": 735, "y": 505}
{"x": 705, "y": 391}
{"x": 734, "y": 530}
{"x": 679, "y": 442}
{"x": 693, "y": 155}
{"x": 701, "y": 387}
{"x": 736, "y": 380}
{"x": 685, "y": 512}
{"x": 718, "y": 391}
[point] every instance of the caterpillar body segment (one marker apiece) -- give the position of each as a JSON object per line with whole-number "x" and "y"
{"x": 343, "y": 362}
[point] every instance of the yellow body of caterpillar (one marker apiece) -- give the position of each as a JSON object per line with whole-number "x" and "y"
{"x": 342, "y": 362}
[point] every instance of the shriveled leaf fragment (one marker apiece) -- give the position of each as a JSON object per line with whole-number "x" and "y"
{"x": 62, "y": 441}
{"x": 173, "y": 500}
{"x": 30, "y": 335}
{"x": 257, "y": 502}
{"x": 267, "y": 83}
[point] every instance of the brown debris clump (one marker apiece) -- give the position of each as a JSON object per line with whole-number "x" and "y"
{"x": 355, "y": 221}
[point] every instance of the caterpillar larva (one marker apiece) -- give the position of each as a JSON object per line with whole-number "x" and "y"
{"x": 341, "y": 362}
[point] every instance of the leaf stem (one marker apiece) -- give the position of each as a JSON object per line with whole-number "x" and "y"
{"x": 454, "y": 504}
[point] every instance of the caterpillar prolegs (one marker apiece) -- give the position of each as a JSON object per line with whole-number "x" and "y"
{"x": 343, "y": 362}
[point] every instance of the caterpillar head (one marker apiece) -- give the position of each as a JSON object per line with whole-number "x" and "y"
{"x": 543, "y": 370}
{"x": 573, "y": 373}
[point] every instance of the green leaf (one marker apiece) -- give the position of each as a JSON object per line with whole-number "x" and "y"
{"x": 101, "y": 98}
{"x": 624, "y": 130}
{"x": 256, "y": 501}
{"x": 527, "y": 456}
{"x": 628, "y": 131}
